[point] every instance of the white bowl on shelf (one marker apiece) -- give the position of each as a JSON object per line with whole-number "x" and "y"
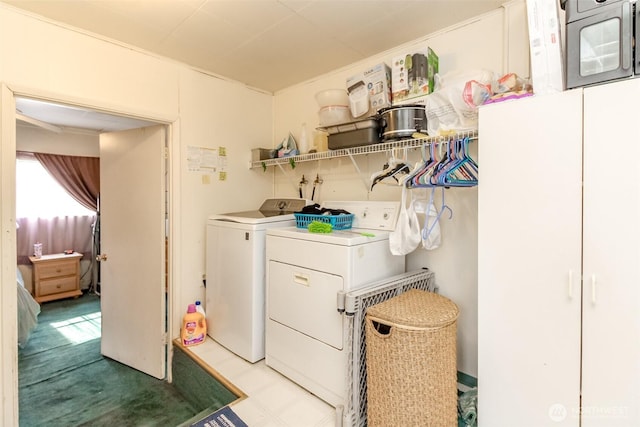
{"x": 334, "y": 114}
{"x": 332, "y": 97}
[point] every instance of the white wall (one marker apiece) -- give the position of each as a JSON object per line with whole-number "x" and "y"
{"x": 53, "y": 62}
{"x": 68, "y": 142}
{"x": 215, "y": 113}
{"x": 495, "y": 41}
{"x": 49, "y": 61}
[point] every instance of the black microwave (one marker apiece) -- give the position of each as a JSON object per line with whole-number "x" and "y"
{"x": 600, "y": 41}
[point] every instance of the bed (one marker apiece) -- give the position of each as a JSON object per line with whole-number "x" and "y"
{"x": 28, "y": 310}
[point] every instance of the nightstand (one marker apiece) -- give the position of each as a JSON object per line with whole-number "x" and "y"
{"x": 56, "y": 276}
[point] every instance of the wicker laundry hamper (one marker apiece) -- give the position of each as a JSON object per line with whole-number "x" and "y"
{"x": 411, "y": 361}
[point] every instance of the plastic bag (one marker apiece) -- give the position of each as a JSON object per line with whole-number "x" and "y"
{"x": 406, "y": 237}
{"x": 447, "y": 109}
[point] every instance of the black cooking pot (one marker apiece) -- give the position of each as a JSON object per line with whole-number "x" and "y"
{"x": 402, "y": 121}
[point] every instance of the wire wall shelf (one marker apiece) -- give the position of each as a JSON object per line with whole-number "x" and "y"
{"x": 362, "y": 150}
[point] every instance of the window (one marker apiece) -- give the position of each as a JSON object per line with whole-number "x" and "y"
{"x": 38, "y": 195}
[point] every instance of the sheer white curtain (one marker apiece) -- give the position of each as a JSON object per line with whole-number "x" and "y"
{"x": 56, "y": 234}
{"x": 47, "y": 213}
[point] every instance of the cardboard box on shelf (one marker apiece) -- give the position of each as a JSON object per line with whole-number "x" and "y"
{"x": 412, "y": 75}
{"x": 373, "y": 85}
{"x": 545, "y": 47}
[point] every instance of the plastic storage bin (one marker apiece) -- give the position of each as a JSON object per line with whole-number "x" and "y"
{"x": 334, "y": 114}
{"x": 411, "y": 361}
{"x": 338, "y": 222}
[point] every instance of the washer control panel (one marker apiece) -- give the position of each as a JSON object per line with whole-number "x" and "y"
{"x": 272, "y": 207}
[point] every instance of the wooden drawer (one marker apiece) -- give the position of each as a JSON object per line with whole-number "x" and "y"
{"x": 56, "y": 276}
{"x": 55, "y": 286}
{"x": 57, "y": 269}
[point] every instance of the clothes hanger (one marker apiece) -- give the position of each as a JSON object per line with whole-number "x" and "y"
{"x": 432, "y": 226}
{"x": 392, "y": 169}
{"x": 442, "y": 164}
{"x": 416, "y": 168}
{"x": 399, "y": 169}
{"x": 426, "y": 167}
{"x": 388, "y": 166}
{"x": 444, "y": 167}
{"x": 462, "y": 171}
{"x": 423, "y": 179}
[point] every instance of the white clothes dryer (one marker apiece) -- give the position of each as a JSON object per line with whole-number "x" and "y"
{"x": 235, "y": 274}
{"x": 307, "y": 275}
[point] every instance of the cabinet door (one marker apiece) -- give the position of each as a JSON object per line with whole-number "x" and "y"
{"x": 529, "y": 237}
{"x": 611, "y": 299}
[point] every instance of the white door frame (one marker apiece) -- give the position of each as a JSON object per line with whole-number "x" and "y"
{"x": 8, "y": 294}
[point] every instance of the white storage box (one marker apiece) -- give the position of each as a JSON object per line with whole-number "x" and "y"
{"x": 545, "y": 47}
{"x": 377, "y": 82}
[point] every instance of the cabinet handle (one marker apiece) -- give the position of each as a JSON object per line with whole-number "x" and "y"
{"x": 570, "y": 284}
{"x": 593, "y": 289}
{"x": 301, "y": 279}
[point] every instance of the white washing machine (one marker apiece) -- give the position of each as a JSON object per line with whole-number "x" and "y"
{"x": 307, "y": 273}
{"x": 235, "y": 274}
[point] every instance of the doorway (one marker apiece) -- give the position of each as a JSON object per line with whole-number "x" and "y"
{"x": 164, "y": 185}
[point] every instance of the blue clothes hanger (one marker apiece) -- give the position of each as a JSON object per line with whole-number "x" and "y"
{"x": 463, "y": 170}
{"x": 428, "y": 228}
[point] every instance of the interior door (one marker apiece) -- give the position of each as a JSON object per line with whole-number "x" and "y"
{"x": 132, "y": 211}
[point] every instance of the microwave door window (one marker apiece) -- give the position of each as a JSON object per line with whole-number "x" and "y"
{"x": 600, "y": 47}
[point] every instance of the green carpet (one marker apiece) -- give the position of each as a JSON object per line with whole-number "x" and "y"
{"x": 65, "y": 381}
{"x": 198, "y": 387}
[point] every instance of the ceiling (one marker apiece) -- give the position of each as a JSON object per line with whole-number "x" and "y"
{"x": 265, "y": 44}
{"x": 59, "y": 117}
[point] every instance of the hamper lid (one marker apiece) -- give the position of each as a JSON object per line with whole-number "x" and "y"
{"x": 416, "y": 308}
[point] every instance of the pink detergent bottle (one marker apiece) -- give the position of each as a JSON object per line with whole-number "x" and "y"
{"x": 194, "y": 329}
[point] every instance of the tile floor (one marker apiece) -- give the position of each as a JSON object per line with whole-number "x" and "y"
{"x": 273, "y": 400}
